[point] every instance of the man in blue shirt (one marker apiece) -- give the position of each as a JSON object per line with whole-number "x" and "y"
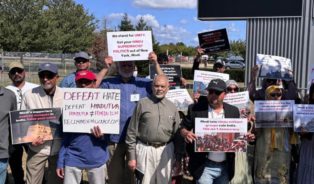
{"x": 82, "y": 151}
{"x": 132, "y": 90}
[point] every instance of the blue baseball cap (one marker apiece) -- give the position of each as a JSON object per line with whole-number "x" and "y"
{"x": 48, "y": 67}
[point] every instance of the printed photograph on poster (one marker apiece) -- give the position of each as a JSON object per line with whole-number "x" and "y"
{"x": 129, "y": 45}
{"x": 240, "y": 100}
{"x": 28, "y": 125}
{"x": 181, "y": 98}
{"x": 84, "y": 108}
{"x": 220, "y": 135}
{"x": 303, "y": 115}
{"x": 273, "y": 113}
{"x": 173, "y": 72}
{"x": 310, "y": 77}
{"x": 202, "y": 79}
{"x": 214, "y": 41}
{"x": 274, "y": 67}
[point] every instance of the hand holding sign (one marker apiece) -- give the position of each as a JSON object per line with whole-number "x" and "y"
{"x": 152, "y": 57}
{"x": 108, "y": 61}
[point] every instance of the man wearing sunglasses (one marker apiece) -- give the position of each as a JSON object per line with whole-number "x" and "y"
{"x": 212, "y": 167}
{"x": 47, "y": 95}
{"x": 19, "y": 86}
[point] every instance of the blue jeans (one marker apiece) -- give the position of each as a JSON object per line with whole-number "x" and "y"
{"x": 3, "y": 169}
{"x": 214, "y": 173}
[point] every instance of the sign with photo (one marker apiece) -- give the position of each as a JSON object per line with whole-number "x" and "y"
{"x": 129, "y": 45}
{"x": 303, "y": 115}
{"x": 274, "y": 113}
{"x": 274, "y": 67}
{"x": 173, "y": 72}
{"x": 214, "y": 41}
{"x": 28, "y": 125}
{"x": 220, "y": 135}
{"x": 181, "y": 98}
{"x": 202, "y": 79}
{"x": 240, "y": 100}
{"x": 84, "y": 108}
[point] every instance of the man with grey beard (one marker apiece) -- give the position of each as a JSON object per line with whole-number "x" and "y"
{"x": 48, "y": 95}
{"x": 132, "y": 90}
{"x": 150, "y": 135}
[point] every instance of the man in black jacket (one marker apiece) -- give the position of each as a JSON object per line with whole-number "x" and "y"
{"x": 212, "y": 167}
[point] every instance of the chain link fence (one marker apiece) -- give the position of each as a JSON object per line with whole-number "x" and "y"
{"x": 31, "y": 61}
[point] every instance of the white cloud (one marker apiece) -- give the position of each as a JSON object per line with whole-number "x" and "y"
{"x": 115, "y": 16}
{"x": 149, "y": 19}
{"x": 166, "y": 3}
{"x": 183, "y": 21}
{"x": 171, "y": 34}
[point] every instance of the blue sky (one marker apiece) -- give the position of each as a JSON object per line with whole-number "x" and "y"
{"x": 172, "y": 20}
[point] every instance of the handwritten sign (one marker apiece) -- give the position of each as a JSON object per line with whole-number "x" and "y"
{"x": 28, "y": 125}
{"x": 84, "y": 108}
{"x": 273, "y": 113}
{"x": 173, "y": 72}
{"x": 223, "y": 135}
{"x": 202, "y": 79}
{"x": 240, "y": 100}
{"x": 129, "y": 45}
{"x": 274, "y": 67}
{"x": 181, "y": 98}
{"x": 303, "y": 115}
{"x": 214, "y": 41}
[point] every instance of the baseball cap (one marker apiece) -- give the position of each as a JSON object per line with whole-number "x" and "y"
{"x": 15, "y": 64}
{"x": 85, "y": 74}
{"x": 48, "y": 67}
{"x": 217, "y": 84}
{"x": 81, "y": 54}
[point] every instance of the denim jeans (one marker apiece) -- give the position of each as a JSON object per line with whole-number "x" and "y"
{"x": 3, "y": 169}
{"x": 214, "y": 173}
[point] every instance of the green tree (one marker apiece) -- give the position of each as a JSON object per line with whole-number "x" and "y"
{"x": 126, "y": 24}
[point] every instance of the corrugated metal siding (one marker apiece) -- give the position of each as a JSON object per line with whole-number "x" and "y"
{"x": 287, "y": 37}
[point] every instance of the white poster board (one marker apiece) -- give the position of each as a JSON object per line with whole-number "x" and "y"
{"x": 129, "y": 45}
{"x": 84, "y": 108}
{"x": 274, "y": 67}
{"x": 222, "y": 135}
{"x": 303, "y": 115}
{"x": 274, "y": 113}
{"x": 240, "y": 100}
{"x": 180, "y": 97}
{"x": 202, "y": 79}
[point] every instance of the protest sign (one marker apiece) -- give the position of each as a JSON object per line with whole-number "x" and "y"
{"x": 303, "y": 115}
{"x": 28, "y": 125}
{"x": 240, "y": 100}
{"x": 310, "y": 77}
{"x": 274, "y": 67}
{"x": 214, "y": 41}
{"x": 223, "y": 135}
{"x": 202, "y": 78}
{"x": 84, "y": 108}
{"x": 173, "y": 72}
{"x": 129, "y": 45}
{"x": 273, "y": 113}
{"x": 181, "y": 98}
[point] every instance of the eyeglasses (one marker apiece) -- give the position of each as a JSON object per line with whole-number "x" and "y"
{"x": 16, "y": 70}
{"x": 214, "y": 92}
{"x": 275, "y": 94}
{"x": 81, "y": 60}
{"x": 127, "y": 65}
{"x": 230, "y": 89}
{"x": 47, "y": 75}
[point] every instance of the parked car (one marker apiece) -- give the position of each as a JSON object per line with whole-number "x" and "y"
{"x": 235, "y": 65}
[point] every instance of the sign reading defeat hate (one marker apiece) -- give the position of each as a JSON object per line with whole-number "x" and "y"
{"x": 129, "y": 45}
{"x": 84, "y": 108}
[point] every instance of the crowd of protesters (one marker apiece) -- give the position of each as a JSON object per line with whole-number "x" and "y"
{"x": 155, "y": 140}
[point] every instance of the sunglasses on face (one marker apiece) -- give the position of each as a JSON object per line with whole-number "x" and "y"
{"x": 47, "y": 75}
{"x": 229, "y": 89}
{"x": 275, "y": 94}
{"x": 126, "y": 65}
{"x": 214, "y": 92}
{"x": 77, "y": 61}
{"x": 16, "y": 70}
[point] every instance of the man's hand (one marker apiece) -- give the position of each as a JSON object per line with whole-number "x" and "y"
{"x": 196, "y": 96}
{"x": 183, "y": 81}
{"x": 188, "y": 136}
{"x": 152, "y": 57}
{"x": 38, "y": 141}
{"x": 132, "y": 165}
{"x": 60, "y": 173}
{"x": 200, "y": 51}
{"x": 250, "y": 137}
{"x": 108, "y": 61}
{"x": 97, "y": 132}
